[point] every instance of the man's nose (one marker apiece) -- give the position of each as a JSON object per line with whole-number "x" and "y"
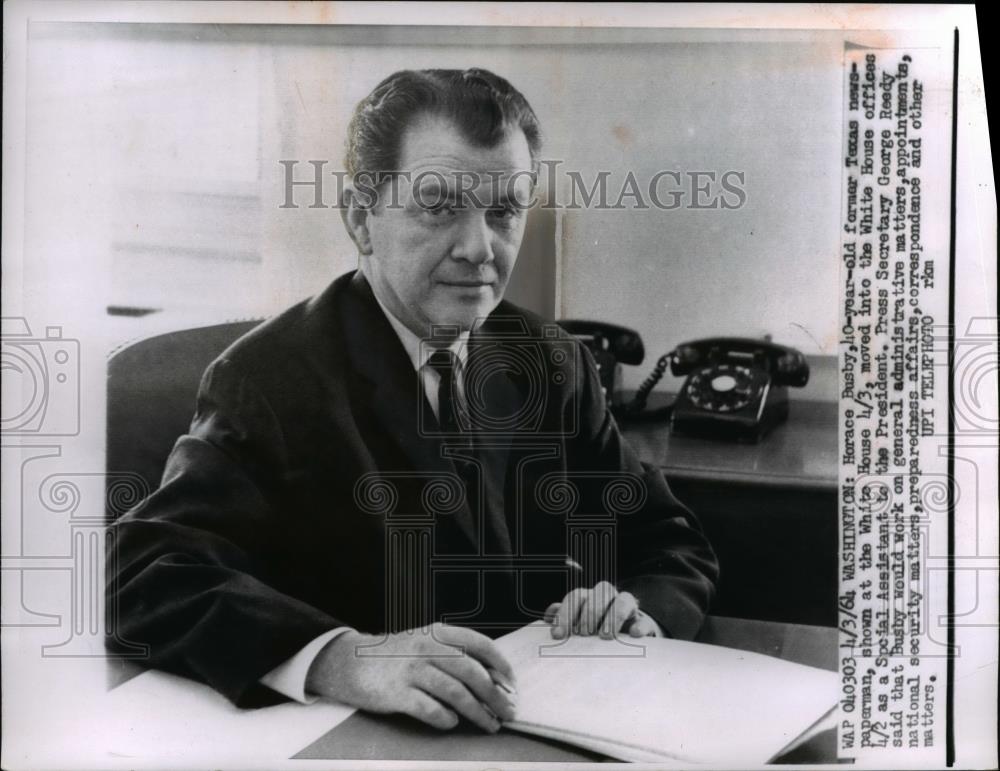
{"x": 474, "y": 240}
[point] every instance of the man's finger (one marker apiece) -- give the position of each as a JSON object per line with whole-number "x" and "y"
{"x": 597, "y": 605}
{"x": 474, "y": 676}
{"x": 616, "y": 619}
{"x": 454, "y": 695}
{"x": 479, "y": 647}
{"x": 551, "y": 611}
{"x": 642, "y": 626}
{"x": 429, "y": 710}
{"x": 567, "y": 614}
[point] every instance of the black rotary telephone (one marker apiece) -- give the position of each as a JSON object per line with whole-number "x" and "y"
{"x": 736, "y": 387}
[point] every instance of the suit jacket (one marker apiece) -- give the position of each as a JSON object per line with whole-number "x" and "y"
{"x": 315, "y": 489}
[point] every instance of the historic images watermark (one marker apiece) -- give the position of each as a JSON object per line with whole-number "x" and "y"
{"x": 41, "y": 411}
{"x": 312, "y": 185}
{"x": 42, "y": 374}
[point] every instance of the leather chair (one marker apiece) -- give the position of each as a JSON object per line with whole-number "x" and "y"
{"x": 152, "y": 385}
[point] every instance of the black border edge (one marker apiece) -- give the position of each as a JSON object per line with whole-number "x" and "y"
{"x": 950, "y": 686}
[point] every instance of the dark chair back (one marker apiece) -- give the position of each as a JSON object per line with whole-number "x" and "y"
{"x": 152, "y": 385}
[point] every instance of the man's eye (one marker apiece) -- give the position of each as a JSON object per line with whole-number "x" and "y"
{"x": 503, "y": 213}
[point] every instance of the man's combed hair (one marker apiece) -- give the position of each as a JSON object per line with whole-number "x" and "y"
{"x": 482, "y": 105}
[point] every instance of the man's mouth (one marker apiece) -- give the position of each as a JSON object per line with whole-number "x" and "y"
{"x": 468, "y": 283}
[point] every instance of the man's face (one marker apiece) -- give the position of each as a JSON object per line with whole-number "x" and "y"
{"x": 442, "y": 252}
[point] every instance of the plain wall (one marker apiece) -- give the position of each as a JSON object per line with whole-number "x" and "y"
{"x": 770, "y": 267}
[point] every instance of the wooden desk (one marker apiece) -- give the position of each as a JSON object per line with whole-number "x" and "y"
{"x": 800, "y": 453}
{"x": 375, "y": 737}
{"x": 769, "y": 509}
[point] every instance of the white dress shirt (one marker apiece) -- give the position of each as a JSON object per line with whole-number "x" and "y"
{"x": 420, "y": 353}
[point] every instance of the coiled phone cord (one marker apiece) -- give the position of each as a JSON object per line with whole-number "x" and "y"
{"x": 638, "y": 403}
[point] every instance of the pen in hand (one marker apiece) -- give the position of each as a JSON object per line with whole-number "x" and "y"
{"x": 501, "y": 682}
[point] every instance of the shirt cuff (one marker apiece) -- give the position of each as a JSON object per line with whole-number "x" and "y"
{"x": 289, "y": 678}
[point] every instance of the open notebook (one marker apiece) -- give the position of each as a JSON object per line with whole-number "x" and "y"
{"x": 653, "y": 699}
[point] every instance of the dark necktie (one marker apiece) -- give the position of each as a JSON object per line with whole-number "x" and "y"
{"x": 461, "y": 435}
{"x": 443, "y": 362}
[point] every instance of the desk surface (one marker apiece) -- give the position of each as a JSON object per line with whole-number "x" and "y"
{"x": 800, "y": 452}
{"x": 377, "y": 737}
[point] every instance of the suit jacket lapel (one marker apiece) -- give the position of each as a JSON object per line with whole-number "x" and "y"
{"x": 392, "y": 388}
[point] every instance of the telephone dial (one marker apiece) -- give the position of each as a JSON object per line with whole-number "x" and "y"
{"x": 736, "y": 387}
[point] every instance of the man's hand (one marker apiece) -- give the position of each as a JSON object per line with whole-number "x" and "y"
{"x": 433, "y": 674}
{"x": 602, "y": 610}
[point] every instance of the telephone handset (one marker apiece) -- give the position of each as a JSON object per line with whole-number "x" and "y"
{"x": 610, "y": 345}
{"x": 736, "y": 387}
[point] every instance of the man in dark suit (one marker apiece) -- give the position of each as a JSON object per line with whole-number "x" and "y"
{"x": 382, "y": 478}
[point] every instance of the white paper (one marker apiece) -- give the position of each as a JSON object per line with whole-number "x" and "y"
{"x": 668, "y": 698}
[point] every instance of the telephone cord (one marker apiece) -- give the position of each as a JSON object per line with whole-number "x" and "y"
{"x": 638, "y": 403}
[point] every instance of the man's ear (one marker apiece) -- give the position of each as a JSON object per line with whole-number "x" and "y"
{"x": 356, "y": 219}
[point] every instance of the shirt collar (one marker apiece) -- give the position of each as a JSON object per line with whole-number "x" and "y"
{"x": 419, "y": 354}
